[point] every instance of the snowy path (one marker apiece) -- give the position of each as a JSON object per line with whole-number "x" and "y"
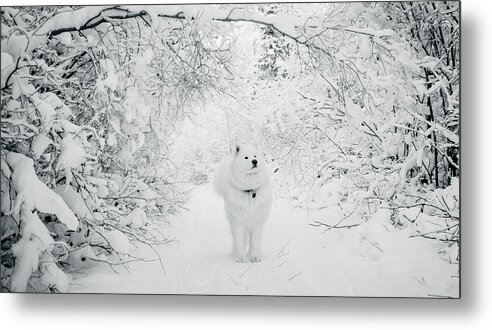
{"x": 298, "y": 259}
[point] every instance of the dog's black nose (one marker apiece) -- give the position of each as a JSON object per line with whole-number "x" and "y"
{"x": 254, "y": 161}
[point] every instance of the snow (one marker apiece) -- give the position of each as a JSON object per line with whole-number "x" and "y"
{"x": 46, "y": 110}
{"x": 299, "y": 259}
{"x": 136, "y": 218}
{"x": 453, "y": 137}
{"x": 143, "y": 60}
{"x": 429, "y": 62}
{"x": 354, "y": 111}
{"x": 39, "y": 145}
{"x": 118, "y": 241}
{"x": 377, "y": 33}
{"x": 65, "y": 38}
{"x": 75, "y": 201}
{"x": 365, "y": 47}
{"x": 69, "y": 127}
{"x": 76, "y": 18}
{"x": 82, "y": 258}
{"x": 52, "y": 276}
{"x": 13, "y": 105}
{"x": 100, "y": 184}
{"x": 64, "y": 19}
{"x": 58, "y": 104}
{"x": 7, "y": 66}
{"x": 15, "y": 45}
{"x": 34, "y": 241}
{"x": 22, "y": 87}
{"x": 71, "y": 155}
{"x": 27, "y": 257}
{"x": 110, "y": 80}
{"x": 34, "y": 194}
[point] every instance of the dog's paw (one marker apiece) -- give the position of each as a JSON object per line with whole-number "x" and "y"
{"x": 255, "y": 258}
{"x": 240, "y": 259}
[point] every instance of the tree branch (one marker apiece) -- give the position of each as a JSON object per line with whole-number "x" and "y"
{"x": 89, "y": 25}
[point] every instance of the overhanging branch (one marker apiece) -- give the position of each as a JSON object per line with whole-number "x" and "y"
{"x": 100, "y": 19}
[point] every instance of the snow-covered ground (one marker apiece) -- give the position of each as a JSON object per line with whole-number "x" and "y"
{"x": 368, "y": 260}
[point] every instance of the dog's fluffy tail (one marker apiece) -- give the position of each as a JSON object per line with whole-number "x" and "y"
{"x": 220, "y": 176}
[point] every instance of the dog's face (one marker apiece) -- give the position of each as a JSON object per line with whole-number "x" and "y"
{"x": 247, "y": 159}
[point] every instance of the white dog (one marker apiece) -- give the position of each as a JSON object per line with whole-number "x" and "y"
{"x": 243, "y": 180}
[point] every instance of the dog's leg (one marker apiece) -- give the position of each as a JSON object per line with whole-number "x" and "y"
{"x": 255, "y": 234}
{"x": 239, "y": 235}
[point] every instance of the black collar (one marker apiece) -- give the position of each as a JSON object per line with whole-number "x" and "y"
{"x": 253, "y": 191}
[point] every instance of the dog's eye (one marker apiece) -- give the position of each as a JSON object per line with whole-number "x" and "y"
{"x": 255, "y": 156}
{"x": 246, "y": 157}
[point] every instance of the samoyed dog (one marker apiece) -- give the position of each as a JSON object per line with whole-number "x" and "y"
{"x": 243, "y": 180}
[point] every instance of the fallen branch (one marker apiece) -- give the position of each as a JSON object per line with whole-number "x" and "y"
{"x": 337, "y": 225}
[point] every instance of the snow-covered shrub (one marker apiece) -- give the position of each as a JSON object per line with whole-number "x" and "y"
{"x": 85, "y": 136}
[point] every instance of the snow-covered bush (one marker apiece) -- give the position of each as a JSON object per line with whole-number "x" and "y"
{"x": 400, "y": 111}
{"x": 86, "y": 123}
